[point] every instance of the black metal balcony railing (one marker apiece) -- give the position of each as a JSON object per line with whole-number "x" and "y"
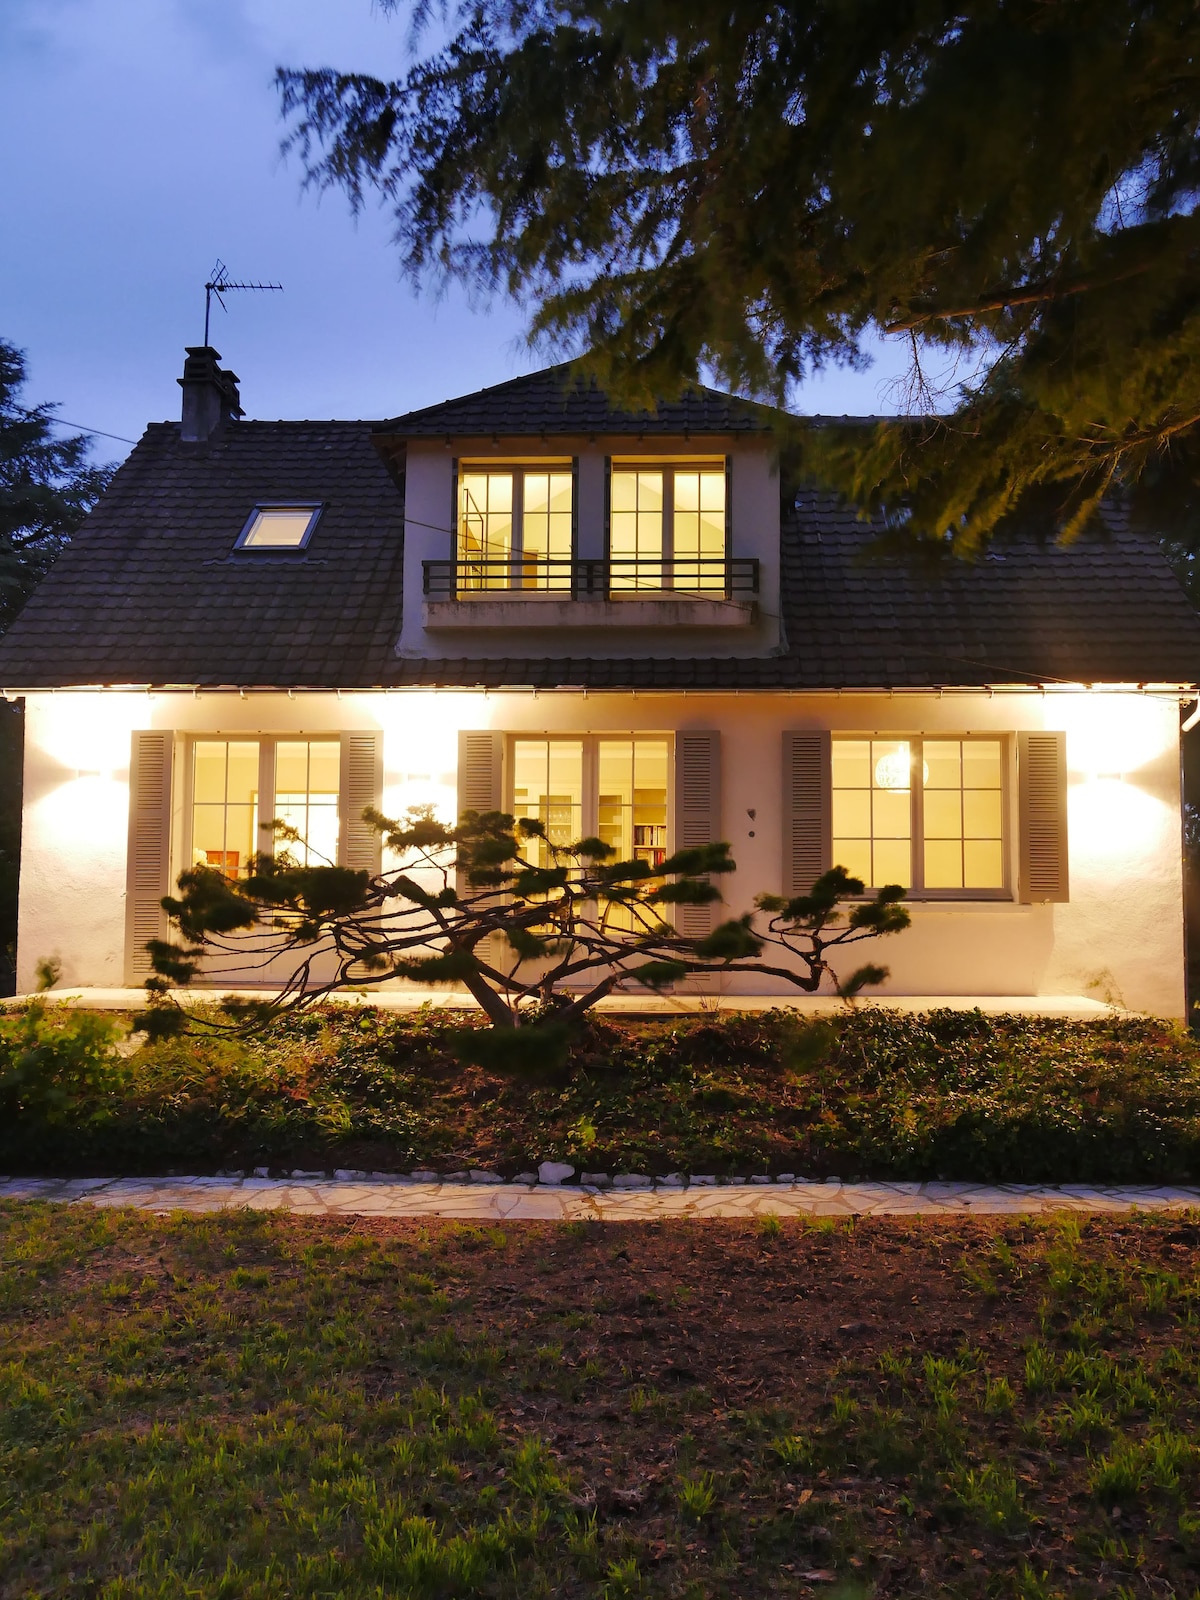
{"x": 576, "y": 578}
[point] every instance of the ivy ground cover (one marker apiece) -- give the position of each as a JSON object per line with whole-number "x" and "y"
{"x": 872, "y": 1094}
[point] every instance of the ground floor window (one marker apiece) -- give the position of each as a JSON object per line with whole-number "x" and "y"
{"x": 225, "y": 803}
{"x": 612, "y": 788}
{"x": 239, "y": 786}
{"x": 926, "y": 813}
{"x": 307, "y": 781}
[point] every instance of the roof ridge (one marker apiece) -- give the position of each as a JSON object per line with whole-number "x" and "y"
{"x": 586, "y": 383}
{"x": 474, "y": 394}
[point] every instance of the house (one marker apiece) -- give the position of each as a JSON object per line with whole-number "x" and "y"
{"x": 621, "y": 623}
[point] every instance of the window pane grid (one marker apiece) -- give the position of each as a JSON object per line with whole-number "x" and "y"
{"x": 632, "y": 798}
{"x": 546, "y": 523}
{"x": 616, "y": 788}
{"x": 548, "y": 788}
{"x": 485, "y": 526}
{"x": 224, "y": 804}
{"x": 955, "y": 789}
{"x": 518, "y": 519}
{"x": 307, "y": 780}
{"x": 872, "y": 810}
{"x": 699, "y": 527}
{"x": 672, "y": 514}
{"x": 636, "y": 526}
{"x": 963, "y": 814}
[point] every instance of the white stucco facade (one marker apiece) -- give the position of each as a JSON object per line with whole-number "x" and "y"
{"x": 1119, "y": 937}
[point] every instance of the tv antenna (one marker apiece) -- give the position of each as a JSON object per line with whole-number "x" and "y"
{"x": 220, "y": 283}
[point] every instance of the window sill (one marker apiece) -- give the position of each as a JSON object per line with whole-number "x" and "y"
{"x": 1005, "y": 904}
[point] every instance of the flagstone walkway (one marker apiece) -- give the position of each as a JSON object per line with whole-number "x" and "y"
{"x": 387, "y": 1196}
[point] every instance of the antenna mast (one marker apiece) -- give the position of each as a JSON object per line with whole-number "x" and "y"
{"x": 220, "y": 283}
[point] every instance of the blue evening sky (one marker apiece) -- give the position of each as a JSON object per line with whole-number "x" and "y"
{"x": 141, "y": 142}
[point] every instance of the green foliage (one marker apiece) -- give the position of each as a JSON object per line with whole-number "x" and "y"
{"x": 1009, "y": 188}
{"x": 46, "y": 487}
{"x": 793, "y": 1452}
{"x": 46, "y": 490}
{"x": 885, "y": 1095}
{"x": 49, "y": 971}
{"x": 541, "y": 1045}
{"x": 58, "y": 1069}
{"x": 537, "y": 931}
{"x": 696, "y": 1496}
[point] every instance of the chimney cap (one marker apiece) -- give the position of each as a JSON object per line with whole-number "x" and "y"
{"x": 210, "y": 395}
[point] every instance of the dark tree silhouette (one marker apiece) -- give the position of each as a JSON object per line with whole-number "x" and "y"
{"x": 1010, "y": 186}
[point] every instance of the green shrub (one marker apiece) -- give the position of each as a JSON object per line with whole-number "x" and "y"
{"x": 872, "y": 1093}
{"x": 58, "y": 1067}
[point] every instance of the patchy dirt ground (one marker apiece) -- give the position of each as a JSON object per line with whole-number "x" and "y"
{"x": 264, "y": 1405}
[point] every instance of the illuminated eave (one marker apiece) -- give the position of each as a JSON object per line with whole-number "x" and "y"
{"x": 1181, "y": 689}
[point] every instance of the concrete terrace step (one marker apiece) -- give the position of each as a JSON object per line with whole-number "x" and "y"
{"x": 386, "y": 1196}
{"x": 1072, "y": 1006}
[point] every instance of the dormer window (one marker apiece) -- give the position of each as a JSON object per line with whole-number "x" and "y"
{"x": 515, "y": 526}
{"x": 279, "y": 527}
{"x": 653, "y": 535}
{"x": 668, "y": 525}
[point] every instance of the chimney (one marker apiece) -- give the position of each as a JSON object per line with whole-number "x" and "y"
{"x": 210, "y": 396}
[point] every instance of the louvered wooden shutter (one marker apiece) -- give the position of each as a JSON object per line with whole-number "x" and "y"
{"x": 479, "y": 771}
{"x": 361, "y": 847}
{"x": 1042, "y": 784}
{"x": 807, "y": 809}
{"x": 148, "y": 865}
{"x": 480, "y": 780}
{"x": 697, "y": 812}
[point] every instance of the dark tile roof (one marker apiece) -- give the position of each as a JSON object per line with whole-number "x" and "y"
{"x": 1105, "y": 609}
{"x": 556, "y": 400}
{"x": 150, "y": 593}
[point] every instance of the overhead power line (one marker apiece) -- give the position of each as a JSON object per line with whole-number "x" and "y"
{"x": 82, "y": 427}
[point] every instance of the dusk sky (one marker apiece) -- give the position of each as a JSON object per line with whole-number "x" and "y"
{"x": 142, "y": 142}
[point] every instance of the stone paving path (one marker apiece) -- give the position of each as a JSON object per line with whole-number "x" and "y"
{"x": 387, "y": 1196}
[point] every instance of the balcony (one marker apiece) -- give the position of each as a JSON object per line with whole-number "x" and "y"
{"x": 620, "y": 592}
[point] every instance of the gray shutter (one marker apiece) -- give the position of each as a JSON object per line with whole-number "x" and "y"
{"x": 362, "y": 785}
{"x": 1042, "y": 787}
{"x": 697, "y": 811}
{"x": 807, "y": 809}
{"x": 148, "y": 864}
{"x": 480, "y": 786}
{"x": 479, "y": 756}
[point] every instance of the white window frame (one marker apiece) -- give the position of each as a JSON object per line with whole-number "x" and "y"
{"x": 918, "y": 891}
{"x": 668, "y": 466}
{"x": 518, "y": 469}
{"x": 267, "y": 742}
{"x": 590, "y": 808}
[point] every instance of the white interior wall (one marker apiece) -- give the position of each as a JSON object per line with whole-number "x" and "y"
{"x": 1120, "y": 936}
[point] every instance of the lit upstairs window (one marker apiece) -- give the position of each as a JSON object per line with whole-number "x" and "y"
{"x": 667, "y": 526}
{"x": 279, "y": 527}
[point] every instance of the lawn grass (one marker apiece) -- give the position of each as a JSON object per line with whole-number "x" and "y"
{"x": 871, "y": 1094}
{"x": 257, "y": 1405}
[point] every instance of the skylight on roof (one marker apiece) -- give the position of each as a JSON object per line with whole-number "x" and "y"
{"x": 278, "y": 527}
